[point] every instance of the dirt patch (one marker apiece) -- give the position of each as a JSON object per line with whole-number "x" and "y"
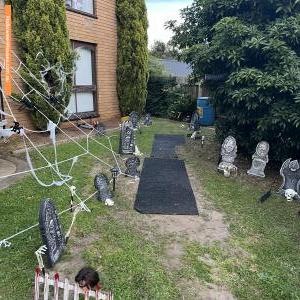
{"x": 196, "y": 290}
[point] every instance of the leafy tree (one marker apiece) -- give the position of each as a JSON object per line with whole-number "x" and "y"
{"x": 41, "y": 31}
{"x": 132, "y": 69}
{"x": 163, "y": 50}
{"x": 255, "y": 46}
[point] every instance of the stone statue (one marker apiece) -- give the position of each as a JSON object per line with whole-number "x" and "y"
{"x": 134, "y": 118}
{"x": 132, "y": 163}
{"x": 127, "y": 142}
{"x": 102, "y": 185}
{"x": 290, "y": 172}
{"x": 148, "y": 120}
{"x": 51, "y": 232}
{"x": 260, "y": 159}
{"x": 228, "y": 153}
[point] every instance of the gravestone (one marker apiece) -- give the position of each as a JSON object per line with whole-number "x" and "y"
{"x": 290, "y": 172}
{"x": 259, "y": 160}
{"x": 51, "y": 232}
{"x": 100, "y": 129}
{"x": 134, "y": 118}
{"x": 228, "y": 153}
{"x": 148, "y": 120}
{"x": 132, "y": 164}
{"x": 127, "y": 142}
{"x": 102, "y": 185}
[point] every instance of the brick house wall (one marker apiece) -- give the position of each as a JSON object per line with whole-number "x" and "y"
{"x": 100, "y": 30}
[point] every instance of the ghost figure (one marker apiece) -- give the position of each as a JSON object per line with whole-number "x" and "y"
{"x": 229, "y": 150}
{"x": 259, "y": 160}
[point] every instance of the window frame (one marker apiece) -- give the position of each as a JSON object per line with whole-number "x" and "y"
{"x": 86, "y": 88}
{"x": 81, "y": 12}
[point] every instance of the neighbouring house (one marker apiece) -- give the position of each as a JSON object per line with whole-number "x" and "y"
{"x": 92, "y": 28}
{"x": 182, "y": 71}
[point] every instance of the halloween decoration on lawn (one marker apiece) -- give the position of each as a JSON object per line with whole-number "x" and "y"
{"x": 134, "y": 118}
{"x": 132, "y": 164}
{"x": 51, "y": 232}
{"x": 87, "y": 278}
{"x": 290, "y": 172}
{"x": 148, "y": 120}
{"x": 127, "y": 142}
{"x": 228, "y": 153}
{"x": 259, "y": 160}
{"x": 102, "y": 185}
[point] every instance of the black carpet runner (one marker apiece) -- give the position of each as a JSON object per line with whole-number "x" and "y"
{"x": 164, "y": 145}
{"x": 164, "y": 186}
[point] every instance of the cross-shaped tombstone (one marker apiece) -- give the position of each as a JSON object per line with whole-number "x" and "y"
{"x": 290, "y": 172}
{"x": 51, "y": 232}
{"x": 148, "y": 120}
{"x": 132, "y": 164}
{"x": 102, "y": 185}
{"x": 134, "y": 118}
{"x": 127, "y": 140}
{"x": 228, "y": 153}
{"x": 259, "y": 160}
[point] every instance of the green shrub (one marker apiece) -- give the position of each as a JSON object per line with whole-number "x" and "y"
{"x": 256, "y": 45}
{"x": 40, "y": 27}
{"x": 132, "y": 69}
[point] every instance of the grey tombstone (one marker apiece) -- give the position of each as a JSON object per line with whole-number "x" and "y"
{"x": 134, "y": 118}
{"x": 102, "y": 186}
{"x": 195, "y": 123}
{"x": 229, "y": 154}
{"x": 148, "y": 120}
{"x": 290, "y": 172}
{"x": 259, "y": 160}
{"x": 132, "y": 164}
{"x": 127, "y": 141}
{"x": 51, "y": 232}
{"x": 100, "y": 129}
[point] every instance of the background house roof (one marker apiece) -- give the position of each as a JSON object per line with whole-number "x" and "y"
{"x": 176, "y": 68}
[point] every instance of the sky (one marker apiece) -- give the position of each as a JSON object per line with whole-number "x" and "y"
{"x": 160, "y": 11}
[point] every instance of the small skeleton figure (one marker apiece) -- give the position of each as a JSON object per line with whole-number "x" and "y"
{"x": 88, "y": 279}
{"x": 229, "y": 150}
{"x": 259, "y": 160}
{"x": 291, "y": 195}
{"x": 102, "y": 185}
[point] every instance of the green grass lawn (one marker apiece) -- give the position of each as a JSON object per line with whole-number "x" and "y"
{"x": 260, "y": 260}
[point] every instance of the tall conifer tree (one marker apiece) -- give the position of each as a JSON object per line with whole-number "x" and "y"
{"x": 41, "y": 31}
{"x": 132, "y": 70}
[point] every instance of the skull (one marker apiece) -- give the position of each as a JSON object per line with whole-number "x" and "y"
{"x": 227, "y": 171}
{"x": 290, "y": 194}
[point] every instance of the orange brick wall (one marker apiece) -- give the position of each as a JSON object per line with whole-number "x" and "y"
{"x": 101, "y": 31}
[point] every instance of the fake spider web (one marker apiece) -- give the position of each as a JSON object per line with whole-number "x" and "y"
{"x": 62, "y": 178}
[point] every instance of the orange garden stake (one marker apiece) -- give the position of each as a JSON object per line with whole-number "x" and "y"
{"x": 8, "y": 49}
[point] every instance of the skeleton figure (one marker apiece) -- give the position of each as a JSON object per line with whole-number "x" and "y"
{"x": 102, "y": 185}
{"x": 259, "y": 160}
{"x": 229, "y": 150}
{"x": 291, "y": 195}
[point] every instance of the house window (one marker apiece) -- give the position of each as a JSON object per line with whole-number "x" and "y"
{"x": 85, "y": 6}
{"x": 83, "y": 99}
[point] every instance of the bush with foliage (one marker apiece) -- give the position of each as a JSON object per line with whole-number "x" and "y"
{"x": 41, "y": 31}
{"x": 256, "y": 45}
{"x": 132, "y": 68}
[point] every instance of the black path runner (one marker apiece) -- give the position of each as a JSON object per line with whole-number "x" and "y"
{"x": 164, "y": 185}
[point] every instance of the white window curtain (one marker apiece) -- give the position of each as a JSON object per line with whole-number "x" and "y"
{"x": 83, "y": 5}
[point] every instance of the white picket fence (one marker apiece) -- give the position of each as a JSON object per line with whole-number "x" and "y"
{"x": 47, "y": 288}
